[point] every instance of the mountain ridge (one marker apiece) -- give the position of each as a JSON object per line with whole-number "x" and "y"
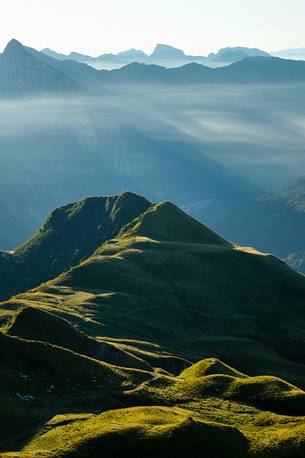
{"x": 25, "y": 71}
{"x": 52, "y": 249}
{"x": 145, "y": 264}
{"x": 162, "y": 54}
{"x": 165, "y": 336}
{"x": 274, "y": 222}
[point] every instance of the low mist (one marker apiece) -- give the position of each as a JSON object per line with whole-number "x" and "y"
{"x": 207, "y": 148}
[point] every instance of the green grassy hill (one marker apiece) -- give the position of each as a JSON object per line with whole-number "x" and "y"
{"x": 166, "y": 341}
{"x": 195, "y": 296}
{"x": 69, "y": 235}
{"x": 214, "y": 416}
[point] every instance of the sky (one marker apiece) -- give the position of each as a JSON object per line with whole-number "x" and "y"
{"x": 197, "y": 26}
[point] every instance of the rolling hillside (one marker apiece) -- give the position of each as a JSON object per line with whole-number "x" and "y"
{"x": 141, "y": 276}
{"x": 166, "y": 336}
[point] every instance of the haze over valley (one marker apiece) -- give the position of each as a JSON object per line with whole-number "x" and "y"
{"x": 189, "y": 143}
{"x": 152, "y": 236}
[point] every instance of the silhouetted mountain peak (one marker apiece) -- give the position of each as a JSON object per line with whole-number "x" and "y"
{"x": 163, "y": 51}
{"x": 97, "y": 213}
{"x": 72, "y": 233}
{"x": 55, "y": 55}
{"x": 235, "y": 54}
{"x": 77, "y": 55}
{"x": 14, "y": 49}
{"x": 132, "y": 53}
{"x": 13, "y": 45}
{"x": 24, "y": 70}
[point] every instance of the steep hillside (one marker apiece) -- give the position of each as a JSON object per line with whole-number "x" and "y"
{"x": 168, "y": 279}
{"x": 69, "y": 235}
{"x": 166, "y": 341}
{"x": 21, "y": 72}
{"x": 297, "y": 261}
{"x": 25, "y": 71}
{"x": 275, "y": 223}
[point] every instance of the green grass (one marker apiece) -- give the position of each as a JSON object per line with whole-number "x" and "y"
{"x": 229, "y": 303}
{"x": 69, "y": 235}
{"x": 167, "y": 341}
{"x": 210, "y": 427}
{"x": 149, "y": 431}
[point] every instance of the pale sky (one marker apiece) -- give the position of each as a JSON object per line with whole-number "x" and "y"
{"x": 196, "y": 26}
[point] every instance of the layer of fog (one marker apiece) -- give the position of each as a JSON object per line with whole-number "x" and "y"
{"x": 205, "y": 147}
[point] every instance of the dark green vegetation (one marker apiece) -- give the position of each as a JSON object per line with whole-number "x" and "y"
{"x": 161, "y": 339}
{"x": 275, "y": 223}
{"x": 70, "y": 234}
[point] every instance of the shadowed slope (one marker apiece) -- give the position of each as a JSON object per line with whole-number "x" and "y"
{"x": 70, "y": 234}
{"x": 168, "y": 279}
{"x": 34, "y": 324}
{"x": 164, "y": 292}
{"x": 22, "y": 73}
{"x": 275, "y": 222}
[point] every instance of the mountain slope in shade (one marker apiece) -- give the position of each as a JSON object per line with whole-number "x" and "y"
{"x": 251, "y": 70}
{"x": 294, "y": 53}
{"x": 227, "y": 56}
{"x": 70, "y": 234}
{"x": 100, "y": 359}
{"x": 296, "y": 260}
{"x": 25, "y": 71}
{"x": 21, "y": 72}
{"x": 275, "y": 223}
{"x": 262, "y": 70}
{"x": 167, "y": 268}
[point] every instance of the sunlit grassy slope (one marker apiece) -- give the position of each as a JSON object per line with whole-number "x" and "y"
{"x": 169, "y": 280}
{"x": 166, "y": 341}
{"x": 213, "y": 416}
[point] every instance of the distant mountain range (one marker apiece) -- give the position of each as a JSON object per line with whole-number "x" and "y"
{"x": 164, "y": 55}
{"x": 275, "y": 223}
{"x": 24, "y": 70}
{"x": 169, "y": 56}
{"x": 294, "y": 53}
{"x": 96, "y": 157}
